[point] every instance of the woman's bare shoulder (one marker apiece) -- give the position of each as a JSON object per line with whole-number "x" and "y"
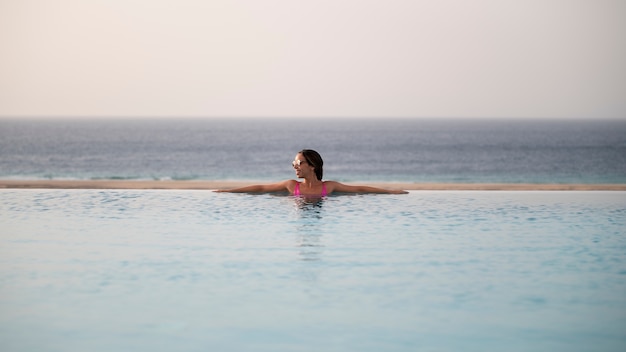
{"x": 334, "y": 186}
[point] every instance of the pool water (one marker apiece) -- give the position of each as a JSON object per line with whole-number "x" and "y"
{"x": 165, "y": 270}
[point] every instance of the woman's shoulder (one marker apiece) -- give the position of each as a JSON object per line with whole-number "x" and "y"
{"x": 291, "y": 185}
{"x": 331, "y": 185}
{"x": 288, "y": 185}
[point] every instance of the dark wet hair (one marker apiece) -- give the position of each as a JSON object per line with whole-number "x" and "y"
{"x": 314, "y": 159}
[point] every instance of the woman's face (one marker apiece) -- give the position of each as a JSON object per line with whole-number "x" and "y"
{"x": 302, "y": 167}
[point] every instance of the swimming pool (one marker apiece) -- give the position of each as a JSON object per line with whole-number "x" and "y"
{"x": 163, "y": 270}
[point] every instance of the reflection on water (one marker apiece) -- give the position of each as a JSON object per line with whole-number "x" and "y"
{"x": 309, "y": 227}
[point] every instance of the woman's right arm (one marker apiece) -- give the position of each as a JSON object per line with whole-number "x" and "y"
{"x": 269, "y": 188}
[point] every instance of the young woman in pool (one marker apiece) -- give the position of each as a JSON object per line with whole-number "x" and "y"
{"x": 308, "y": 165}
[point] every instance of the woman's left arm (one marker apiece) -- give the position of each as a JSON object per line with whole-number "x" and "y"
{"x": 334, "y": 186}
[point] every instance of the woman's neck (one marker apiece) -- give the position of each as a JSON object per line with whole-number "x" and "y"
{"x": 311, "y": 182}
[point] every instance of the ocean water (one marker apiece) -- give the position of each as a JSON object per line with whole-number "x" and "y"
{"x": 174, "y": 270}
{"x": 404, "y": 150}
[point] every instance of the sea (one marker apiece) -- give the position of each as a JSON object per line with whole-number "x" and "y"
{"x": 387, "y": 150}
{"x": 195, "y": 270}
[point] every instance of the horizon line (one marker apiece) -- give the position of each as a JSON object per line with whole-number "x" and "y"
{"x": 325, "y": 117}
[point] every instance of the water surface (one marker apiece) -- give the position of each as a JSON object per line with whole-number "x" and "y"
{"x": 163, "y": 270}
{"x": 388, "y": 150}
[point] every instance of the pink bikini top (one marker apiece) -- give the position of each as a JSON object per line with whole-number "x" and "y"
{"x": 296, "y": 191}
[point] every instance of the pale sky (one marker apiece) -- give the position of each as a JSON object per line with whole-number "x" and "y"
{"x": 322, "y": 58}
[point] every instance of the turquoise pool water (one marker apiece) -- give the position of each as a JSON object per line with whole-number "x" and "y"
{"x": 127, "y": 270}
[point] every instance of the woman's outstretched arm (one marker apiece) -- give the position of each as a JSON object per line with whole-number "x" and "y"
{"x": 333, "y": 186}
{"x": 284, "y": 186}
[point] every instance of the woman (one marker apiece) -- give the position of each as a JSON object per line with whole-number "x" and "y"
{"x": 308, "y": 165}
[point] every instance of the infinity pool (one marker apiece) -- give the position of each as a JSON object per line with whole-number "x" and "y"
{"x": 94, "y": 270}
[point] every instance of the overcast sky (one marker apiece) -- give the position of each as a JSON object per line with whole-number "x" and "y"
{"x": 291, "y": 58}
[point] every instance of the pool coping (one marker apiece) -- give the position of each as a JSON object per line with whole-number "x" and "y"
{"x": 225, "y": 184}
